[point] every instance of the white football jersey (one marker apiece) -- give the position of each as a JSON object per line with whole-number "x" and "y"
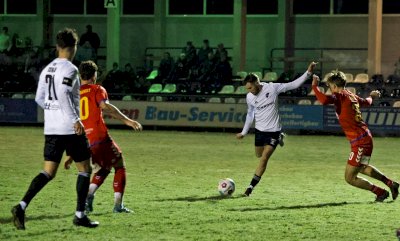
{"x": 263, "y": 107}
{"x": 58, "y": 95}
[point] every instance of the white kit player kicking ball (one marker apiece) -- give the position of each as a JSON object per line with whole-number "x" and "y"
{"x": 58, "y": 95}
{"x": 262, "y": 106}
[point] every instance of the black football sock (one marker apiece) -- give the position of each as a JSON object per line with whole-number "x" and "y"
{"x": 36, "y": 185}
{"x": 82, "y": 188}
{"x": 256, "y": 179}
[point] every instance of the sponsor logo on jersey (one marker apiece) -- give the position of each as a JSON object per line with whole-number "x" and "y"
{"x": 67, "y": 81}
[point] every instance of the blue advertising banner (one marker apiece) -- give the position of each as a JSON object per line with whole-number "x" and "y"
{"x": 301, "y": 117}
{"x": 18, "y": 110}
{"x": 378, "y": 119}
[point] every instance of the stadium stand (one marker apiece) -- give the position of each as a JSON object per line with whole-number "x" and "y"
{"x": 127, "y": 97}
{"x": 155, "y": 88}
{"x": 214, "y": 100}
{"x": 240, "y": 90}
{"x": 227, "y": 89}
{"x": 230, "y": 100}
{"x": 270, "y": 77}
{"x": 304, "y": 102}
{"x": 361, "y": 78}
{"x": 169, "y": 89}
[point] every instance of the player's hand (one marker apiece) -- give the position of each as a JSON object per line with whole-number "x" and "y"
{"x": 375, "y": 94}
{"x": 311, "y": 67}
{"x": 315, "y": 80}
{"x": 239, "y": 136}
{"x": 67, "y": 162}
{"x": 79, "y": 129}
{"x": 134, "y": 124}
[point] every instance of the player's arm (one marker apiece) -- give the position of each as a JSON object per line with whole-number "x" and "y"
{"x": 67, "y": 100}
{"x": 40, "y": 92}
{"x": 375, "y": 94}
{"x": 324, "y": 99}
{"x": 117, "y": 114}
{"x": 248, "y": 122}
{"x": 299, "y": 81}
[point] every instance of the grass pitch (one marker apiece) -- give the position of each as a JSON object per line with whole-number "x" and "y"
{"x": 172, "y": 187}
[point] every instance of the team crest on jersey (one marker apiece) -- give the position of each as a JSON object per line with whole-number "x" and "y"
{"x": 67, "y": 81}
{"x": 266, "y": 95}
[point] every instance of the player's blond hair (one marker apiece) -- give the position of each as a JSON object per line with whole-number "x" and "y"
{"x": 337, "y": 78}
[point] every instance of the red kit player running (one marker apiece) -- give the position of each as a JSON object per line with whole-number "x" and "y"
{"x": 105, "y": 152}
{"x": 347, "y": 107}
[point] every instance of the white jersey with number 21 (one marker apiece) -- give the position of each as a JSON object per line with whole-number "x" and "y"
{"x": 58, "y": 95}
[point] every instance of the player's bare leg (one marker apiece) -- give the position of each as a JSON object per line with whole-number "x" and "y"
{"x": 82, "y": 187}
{"x": 18, "y": 211}
{"x": 352, "y": 178}
{"x": 264, "y": 153}
{"x": 373, "y": 172}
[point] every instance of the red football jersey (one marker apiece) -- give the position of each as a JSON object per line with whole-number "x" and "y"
{"x": 91, "y": 114}
{"x": 347, "y": 107}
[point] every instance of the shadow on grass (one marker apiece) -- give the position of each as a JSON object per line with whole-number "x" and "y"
{"x": 319, "y": 205}
{"x": 197, "y": 199}
{"x": 39, "y": 217}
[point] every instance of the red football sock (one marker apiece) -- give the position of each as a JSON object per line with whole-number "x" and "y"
{"x": 119, "y": 179}
{"x": 377, "y": 190}
{"x": 100, "y": 176}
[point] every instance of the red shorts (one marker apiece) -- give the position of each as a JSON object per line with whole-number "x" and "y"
{"x": 106, "y": 154}
{"x": 361, "y": 152}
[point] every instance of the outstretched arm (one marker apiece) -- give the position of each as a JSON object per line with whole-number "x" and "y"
{"x": 299, "y": 81}
{"x": 324, "y": 99}
{"x": 116, "y": 113}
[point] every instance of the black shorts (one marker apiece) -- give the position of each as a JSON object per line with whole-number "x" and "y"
{"x": 76, "y": 146}
{"x": 266, "y": 138}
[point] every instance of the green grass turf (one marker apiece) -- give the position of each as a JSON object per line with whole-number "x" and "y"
{"x": 172, "y": 187}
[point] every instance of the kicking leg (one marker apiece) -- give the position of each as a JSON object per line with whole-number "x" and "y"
{"x": 352, "y": 178}
{"x": 264, "y": 153}
{"x": 373, "y": 172}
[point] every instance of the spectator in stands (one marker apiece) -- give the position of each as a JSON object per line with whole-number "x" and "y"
{"x": 165, "y": 68}
{"x": 114, "y": 82}
{"x": 203, "y": 52}
{"x": 130, "y": 79}
{"x": 220, "y": 51}
{"x": 91, "y": 37}
{"x": 207, "y": 74}
{"x": 180, "y": 72}
{"x": 5, "y": 41}
{"x": 148, "y": 64}
{"x": 223, "y": 71}
{"x": 190, "y": 53}
{"x": 85, "y": 52}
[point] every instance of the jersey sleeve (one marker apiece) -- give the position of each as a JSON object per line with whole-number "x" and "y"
{"x": 249, "y": 118}
{"x": 40, "y": 91}
{"x": 294, "y": 84}
{"x": 69, "y": 94}
{"x": 324, "y": 99}
{"x": 364, "y": 102}
{"x": 101, "y": 95}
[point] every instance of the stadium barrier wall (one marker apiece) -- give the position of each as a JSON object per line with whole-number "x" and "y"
{"x": 382, "y": 120}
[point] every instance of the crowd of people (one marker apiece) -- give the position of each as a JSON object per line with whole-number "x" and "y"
{"x": 204, "y": 70}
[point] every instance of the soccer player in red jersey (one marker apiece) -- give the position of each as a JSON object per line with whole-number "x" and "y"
{"x": 105, "y": 152}
{"x": 347, "y": 107}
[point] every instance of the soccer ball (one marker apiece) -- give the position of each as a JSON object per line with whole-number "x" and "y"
{"x": 226, "y": 187}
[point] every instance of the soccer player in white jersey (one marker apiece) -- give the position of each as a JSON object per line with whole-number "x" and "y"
{"x": 262, "y": 106}
{"x": 58, "y": 95}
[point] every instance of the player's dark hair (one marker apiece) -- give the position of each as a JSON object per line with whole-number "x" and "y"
{"x": 337, "y": 77}
{"x": 87, "y": 69}
{"x": 250, "y": 78}
{"x": 67, "y": 38}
